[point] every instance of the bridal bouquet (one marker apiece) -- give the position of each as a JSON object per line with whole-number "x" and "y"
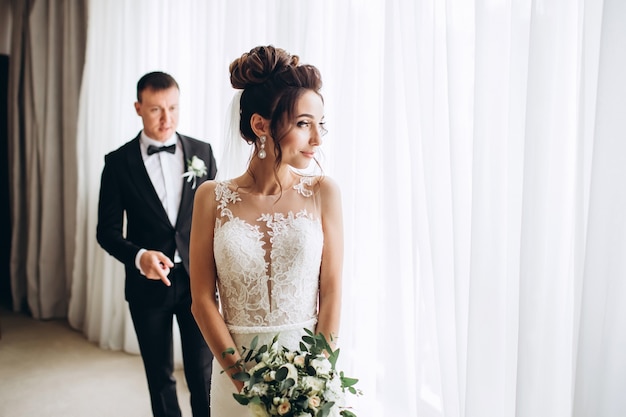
{"x": 300, "y": 383}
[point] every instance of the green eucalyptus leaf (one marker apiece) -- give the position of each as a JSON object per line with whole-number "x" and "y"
{"x": 332, "y": 358}
{"x": 229, "y": 351}
{"x": 249, "y": 356}
{"x": 241, "y": 376}
{"x": 259, "y": 372}
{"x": 325, "y": 409}
{"x": 254, "y": 379}
{"x": 254, "y": 342}
{"x": 348, "y": 382}
{"x": 288, "y": 383}
{"x": 241, "y": 399}
{"x": 281, "y": 373}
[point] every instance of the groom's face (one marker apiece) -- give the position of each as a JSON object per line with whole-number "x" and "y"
{"x": 158, "y": 110}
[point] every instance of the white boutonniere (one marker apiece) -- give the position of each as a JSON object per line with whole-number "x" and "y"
{"x": 195, "y": 169}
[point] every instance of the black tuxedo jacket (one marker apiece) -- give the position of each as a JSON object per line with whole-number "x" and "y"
{"x": 126, "y": 188}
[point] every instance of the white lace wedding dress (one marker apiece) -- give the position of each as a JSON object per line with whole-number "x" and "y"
{"x": 268, "y": 258}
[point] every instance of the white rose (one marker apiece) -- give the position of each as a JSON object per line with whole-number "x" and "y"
{"x": 197, "y": 164}
{"x": 316, "y": 384}
{"x": 321, "y": 365}
{"x": 292, "y": 372}
{"x": 299, "y": 361}
{"x": 260, "y": 389}
{"x": 334, "y": 391}
{"x": 258, "y": 410}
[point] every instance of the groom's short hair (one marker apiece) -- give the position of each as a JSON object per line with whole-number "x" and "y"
{"x": 156, "y": 80}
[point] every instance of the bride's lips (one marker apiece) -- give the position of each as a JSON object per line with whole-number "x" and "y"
{"x": 309, "y": 154}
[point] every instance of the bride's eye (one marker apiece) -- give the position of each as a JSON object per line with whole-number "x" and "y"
{"x": 323, "y": 129}
{"x": 306, "y": 124}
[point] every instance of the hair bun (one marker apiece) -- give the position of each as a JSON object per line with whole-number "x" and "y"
{"x": 258, "y": 65}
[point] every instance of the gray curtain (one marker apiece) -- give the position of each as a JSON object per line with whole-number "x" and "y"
{"x": 47, "y": 58}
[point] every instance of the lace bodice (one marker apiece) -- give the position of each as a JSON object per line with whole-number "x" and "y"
{"x": 268, "y": 264}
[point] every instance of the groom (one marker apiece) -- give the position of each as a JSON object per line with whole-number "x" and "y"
{"x": 150, "y": 183}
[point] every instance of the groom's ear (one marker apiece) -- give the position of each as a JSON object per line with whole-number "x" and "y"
{"x": 260, "y": 125}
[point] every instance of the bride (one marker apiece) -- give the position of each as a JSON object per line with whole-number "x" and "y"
{"x": 270, "y": 241}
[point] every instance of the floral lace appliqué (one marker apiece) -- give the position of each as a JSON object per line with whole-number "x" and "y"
{"x": 308, "y": 181}
{"x": 225, "y": 196}
{"x": 256, "y": 294}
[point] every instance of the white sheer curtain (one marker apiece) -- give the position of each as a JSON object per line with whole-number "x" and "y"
{"x": 480, "y": 150}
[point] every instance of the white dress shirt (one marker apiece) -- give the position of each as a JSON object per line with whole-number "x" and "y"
{"x": 165, "y": 171}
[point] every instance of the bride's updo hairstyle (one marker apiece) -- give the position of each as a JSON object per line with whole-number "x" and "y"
{"x": 272, "y": 81}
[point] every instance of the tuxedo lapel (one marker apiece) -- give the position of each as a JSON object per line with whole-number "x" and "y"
{"x": 186, "y": 200}
{"x": 143, "y": 186}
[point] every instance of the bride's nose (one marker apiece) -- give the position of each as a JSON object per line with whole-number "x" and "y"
{"x": 316, "y": 136}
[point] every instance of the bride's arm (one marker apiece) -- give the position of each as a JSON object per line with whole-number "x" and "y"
{"x": 332, "y": 261}
{"x": 203, "y": 276}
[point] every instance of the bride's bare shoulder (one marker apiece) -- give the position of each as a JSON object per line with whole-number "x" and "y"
{"x": 327, "y": 187}
{"x": 205, "y": 194}
{"x": 206, "y": 188}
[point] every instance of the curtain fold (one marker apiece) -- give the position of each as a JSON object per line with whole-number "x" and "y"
{"x": 17, "y": 142}
{"x": 600, "y": 362}
{"x": 48, "y": 47}
{"x": 549, "y": 218}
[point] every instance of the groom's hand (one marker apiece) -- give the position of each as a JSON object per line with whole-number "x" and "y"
{"x": 155, "y": 265}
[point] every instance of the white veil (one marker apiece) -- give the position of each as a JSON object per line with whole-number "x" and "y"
{"x": 237, "y": 152}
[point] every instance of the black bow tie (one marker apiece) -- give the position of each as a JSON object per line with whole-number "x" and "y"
{"x": 154, "y": 149}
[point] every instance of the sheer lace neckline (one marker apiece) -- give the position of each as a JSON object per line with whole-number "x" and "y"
{"x": 302, "y": 185}
{"x": 225, "y": 195}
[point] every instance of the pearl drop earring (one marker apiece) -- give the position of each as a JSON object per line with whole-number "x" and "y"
{"x": 262, "y": 154}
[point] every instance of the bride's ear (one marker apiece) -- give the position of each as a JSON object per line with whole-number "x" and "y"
{"x": 260, "y": 125}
